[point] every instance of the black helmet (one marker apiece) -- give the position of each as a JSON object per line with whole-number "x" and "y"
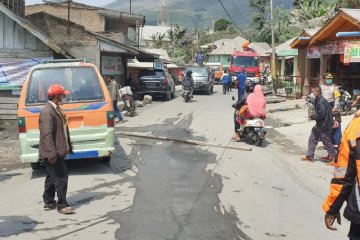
{"x": 188, "y": 73}
{"x": 249, "y": 87}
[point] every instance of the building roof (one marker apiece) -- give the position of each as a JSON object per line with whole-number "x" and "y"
{"x": 354, "y": 13}
{"x": 149, "y": 31}
{"x": 100, "y": 10}
{"x": 57, "y": 28}
{"x": 297, "y": 43}
{"x": 284, "y": 49}
{"x": 231, "y": 45}
{"x": 55, "y": 46}
{"x": 346, "y": 20}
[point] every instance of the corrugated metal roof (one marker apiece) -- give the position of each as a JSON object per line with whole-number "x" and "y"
{"x": 231, "y": 45}
{"x": 354, "y": 13}
{"x": 149, "y": 31}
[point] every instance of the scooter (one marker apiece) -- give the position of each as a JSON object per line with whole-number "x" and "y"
{"x": 345, "y": 102}
{"x": 187, "y": 93}
{"x": 253, "y": 130}
{"x": 310, "y": 105}
{"x": 127, "y": 97}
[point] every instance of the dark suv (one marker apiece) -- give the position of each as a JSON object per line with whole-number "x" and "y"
{"x": 155, "y": 82}
{"x": 203, "y": 79}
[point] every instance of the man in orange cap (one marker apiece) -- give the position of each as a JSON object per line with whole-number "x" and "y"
{"x": 53, "y": 147}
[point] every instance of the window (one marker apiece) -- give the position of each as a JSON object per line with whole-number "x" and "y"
{"x": 81, "y": 81}
{"x": 238, "y": 61}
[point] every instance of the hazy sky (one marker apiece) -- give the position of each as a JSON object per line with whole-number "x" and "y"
{"x": 97, "y": 3}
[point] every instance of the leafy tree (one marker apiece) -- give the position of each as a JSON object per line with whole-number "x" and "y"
{"x": 158, "y": 40}
{"x": 259, "y": 11}
{"x": 311, "y": 9}
{"x": 221, "y": 24}
{"x": 175, "y": 35}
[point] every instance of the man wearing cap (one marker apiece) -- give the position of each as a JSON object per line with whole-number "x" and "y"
{"x": 54, "y": 145}
{"x": 331, "y": 93}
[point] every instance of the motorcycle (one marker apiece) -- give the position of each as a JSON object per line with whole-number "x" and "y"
{"x": 310, "y": 105}
{"x": 253, "y": 130}
{"x": 127, "y": 97}
{"x": 345, "y": 102}
{"x": 187, "y": 93}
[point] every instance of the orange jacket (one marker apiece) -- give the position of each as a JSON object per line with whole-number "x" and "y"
{"x": 345, "y": 184}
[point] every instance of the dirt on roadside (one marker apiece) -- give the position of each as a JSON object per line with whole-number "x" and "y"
{"x": 10, "y": 148}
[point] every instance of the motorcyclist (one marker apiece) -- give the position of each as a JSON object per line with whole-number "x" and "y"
{"x": 249, "y": 88}
{"x": 188, "y": 82}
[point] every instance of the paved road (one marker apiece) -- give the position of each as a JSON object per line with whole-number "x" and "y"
{"x": 162, "y": 190}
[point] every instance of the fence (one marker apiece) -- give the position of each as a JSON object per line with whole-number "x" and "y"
{"x": 288, "y": 86}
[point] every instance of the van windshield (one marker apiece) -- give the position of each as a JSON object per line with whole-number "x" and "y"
{"x": 81, "y": 81}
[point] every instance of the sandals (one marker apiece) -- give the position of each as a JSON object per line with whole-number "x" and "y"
{"x": 50, "y": 206}
{"x": 66, "y": 210}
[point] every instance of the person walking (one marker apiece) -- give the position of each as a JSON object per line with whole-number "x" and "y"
{"x": 225, "y": 79}
{"x": 322, "y": 129}
{"x": 331, "y": 93}
{"x": 345, "y": 184}
{"x": 114, "y": 94}
{"x": 241, "y": 79}
{"x": 54, "y": 145}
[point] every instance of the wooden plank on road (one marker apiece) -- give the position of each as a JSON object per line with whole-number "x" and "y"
{"x": 8, "y": 111}
{"x": 8, "y": 106}
{"x": 181, "y": 141}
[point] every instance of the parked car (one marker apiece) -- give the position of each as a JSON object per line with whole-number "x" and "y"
{"x": 155, "y": 82}
{"x": 88, "y": 107}
{"x": 203, "y": 79}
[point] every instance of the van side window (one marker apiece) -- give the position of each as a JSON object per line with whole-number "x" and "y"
{"x": 81, "y": 81}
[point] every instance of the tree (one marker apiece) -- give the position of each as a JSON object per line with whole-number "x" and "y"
{"x": 175, "y": 35}
{"x": 221, "y": 24}
{"x": 259, "y": 12}
{"x": 158, "y": 40}
{"x": 307, "y": 10}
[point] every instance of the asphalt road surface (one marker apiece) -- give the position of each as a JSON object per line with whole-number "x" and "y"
{"x": 154, "y": 190}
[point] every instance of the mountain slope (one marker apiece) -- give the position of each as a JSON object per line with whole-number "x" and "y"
{"x": 193, "y": 13}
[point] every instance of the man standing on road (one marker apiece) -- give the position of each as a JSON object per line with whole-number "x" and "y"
{"x": 345, "y": 184}
{"x": 53, "y": 147}
{"x": 322, "y": 129}
{"x": 114, "y": 94}
{"x": 331, "y": 93}
{"x": 241, "y": 79}
{"x": 226, "y": 80}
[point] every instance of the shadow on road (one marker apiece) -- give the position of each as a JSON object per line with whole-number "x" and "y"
{"x": 10, "y": 225}
{"x": 7, "y": 176}
{"x": 119, "y": 163}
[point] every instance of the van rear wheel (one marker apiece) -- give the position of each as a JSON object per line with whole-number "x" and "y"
{"x": 105, "y": 159}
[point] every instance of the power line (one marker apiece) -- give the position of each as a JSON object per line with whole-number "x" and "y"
{"x": 231, "y": 19}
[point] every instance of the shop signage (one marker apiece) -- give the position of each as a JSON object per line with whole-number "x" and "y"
{"x": 111, "y": 65}
{"x": 314, "y": 52}
{"x": 352, "y": 52}
{"x": 332, "y": 48}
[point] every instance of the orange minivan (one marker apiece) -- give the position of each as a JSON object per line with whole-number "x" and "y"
{"x": 88, "y": 108}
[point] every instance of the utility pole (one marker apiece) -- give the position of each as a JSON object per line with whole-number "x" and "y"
{"x": 130, "y": 6}
{"x": 69, "y": 2}
{"x": 273, "y": 62}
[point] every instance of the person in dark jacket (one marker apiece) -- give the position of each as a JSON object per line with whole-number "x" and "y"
{"x": 226, "y": 80}
{"x": 322, "y": 129}
{"x": 345, "y": 184}
{"x": 54, "y": 145}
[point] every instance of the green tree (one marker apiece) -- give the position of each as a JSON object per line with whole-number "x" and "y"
{"x": 311, "y": 9}
{"x": 158, "y": 40}
{"x": 259, "y": 12}
{"x": 221, "y": 24}
{"x": 175, "y": 35}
